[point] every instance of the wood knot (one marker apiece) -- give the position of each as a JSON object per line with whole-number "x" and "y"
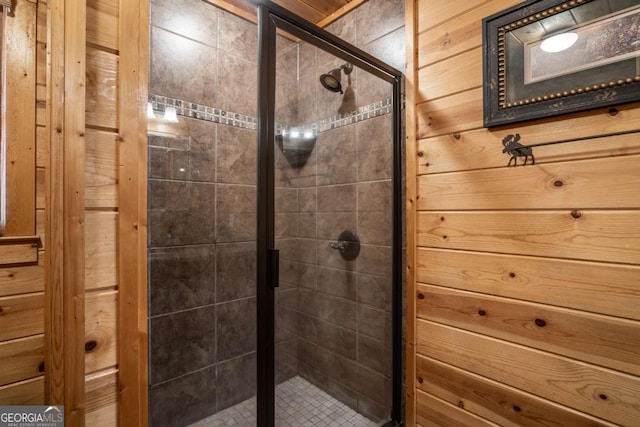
{"x": 482, "y": 312}
{"x": 89, "y": 346}
{"x": 576, "y": 214}
{"x": 540, "y": 322}
{"x": 41, "y": 367}
{"x": 603, "y": 396}
{"x": 420, "y": 295}
{"x": 512, "y": 274}
{"x": 420, "y": 153}
{"x": 558, "y": 183}
{"x": 456, "y": 135}
{"x": 516, "y": 408}
{"x": 613, "y": 112}
{"x": 420, "y": 380}
{"x": 460, "y": 404}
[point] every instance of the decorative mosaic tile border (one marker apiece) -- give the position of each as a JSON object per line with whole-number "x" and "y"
{"x": 216, "y": 115}
{"x": 202, "y": 112}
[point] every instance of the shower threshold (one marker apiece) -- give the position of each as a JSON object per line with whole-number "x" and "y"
{"x": 298, "y": 404}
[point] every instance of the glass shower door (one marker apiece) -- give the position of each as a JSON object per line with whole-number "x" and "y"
{"x": 332, "y": 161}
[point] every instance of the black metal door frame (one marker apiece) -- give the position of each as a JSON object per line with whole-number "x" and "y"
{"x": 270, "y": 18}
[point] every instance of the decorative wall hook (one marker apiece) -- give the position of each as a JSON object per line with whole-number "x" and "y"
{"x": 515, "y": 150}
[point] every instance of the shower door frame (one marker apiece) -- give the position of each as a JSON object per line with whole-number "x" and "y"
{"x": 270, "y": 18}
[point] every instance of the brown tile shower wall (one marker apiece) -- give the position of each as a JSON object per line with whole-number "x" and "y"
{"x": 202, "y": 204}
{"x": 344, "y": 316}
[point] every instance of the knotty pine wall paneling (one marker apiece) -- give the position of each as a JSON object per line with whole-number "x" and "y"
{"x": 95, "y": 193}
{"x": 528, "y": 278}
{"x": 21, "y": 273}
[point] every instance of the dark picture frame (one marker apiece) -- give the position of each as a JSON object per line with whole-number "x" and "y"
{"x": 524, "y": 81}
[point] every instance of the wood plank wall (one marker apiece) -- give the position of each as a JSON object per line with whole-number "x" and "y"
{"x": 96, "y": 192}
{"x": 21, "y": 252}
{"x": 101, "y": 204}
{"x": 528, "y": 278}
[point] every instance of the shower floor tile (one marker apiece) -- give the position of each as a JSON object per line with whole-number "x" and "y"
{"x": 298, "y": 404}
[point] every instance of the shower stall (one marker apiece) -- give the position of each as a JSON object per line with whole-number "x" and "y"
{"x": 275, "y": 235}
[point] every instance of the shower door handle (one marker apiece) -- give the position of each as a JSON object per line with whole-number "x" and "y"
{"x": 273, "y": 257}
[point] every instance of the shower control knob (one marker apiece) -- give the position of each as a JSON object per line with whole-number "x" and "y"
{"x": 348, "y": 244}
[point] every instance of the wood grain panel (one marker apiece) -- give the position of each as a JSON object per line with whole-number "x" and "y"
{"x": 301, "y": 9}
{"x": 41, "y": 30}
{"x": 102, "y": 89}
{"x": 347, "y": 8}
{"x": 481, "y": 149}
{"x": 41, "y": 63}
{"x": 41, "y": 146}
{"x": 102, "y": 393}
{"x": 101, "y": 169}
{"x": 595, "y": 235}
{"x": 41, "y": 116}
{"x": 21, "y": 316}
{"x": 457, "y": 35}
{"x": 21, "y": 359}
{"x": 41, "y": 96}
{"x": 40, "y": 189}
{"x": 433, "y": 411}
{"x": 100, "y": 250}
{"x": 242, "y": 8}
{"x": 455, "y": 113}
{"x": 20, "y": 120}
{"x": 101, "y": 330}
{"x": 443, "y": 78}
{"x": 410, "y": 213}
{"x": 610, "y": 342}
{"x": 597, "y": 287}
{"x": 584, "y": 184}
{"x": 65, "y": 206}
{"x": 501, "y": 404}
{"x": 132, "y": 224}
{"x": 106, "y": 416}
{"x": 28, "y": 392}
{"x": 18, "y": 253}
{"x": 102, "y": 23}
{"x": 40, "y": 230}
{"x": 21, "y": 280}
{"x": 600, "y": 392}
{"x": 433, "y": 13}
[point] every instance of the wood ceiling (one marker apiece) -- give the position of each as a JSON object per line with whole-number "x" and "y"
{"x": 320, "y": 12}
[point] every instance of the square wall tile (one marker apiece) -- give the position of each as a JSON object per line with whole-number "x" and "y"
{"x": 235, "y": 271}
{"x": 374, "y": 149}
{"x": 237, "y": 85}
{"x": 202, "y": 150}
{"x": 181, "y": 343}
{"x": 236, "y": 380}
{"x": 336, "y": 151}
{"x": 193, "y": 19}
{"x": 181, "y": 278}
{"x": 376, "y": 18}
{"x": 183, "y": 400}
{"x": 236, "y": 328}
{"x": 237, "y": 154}
{"x": 182, "y": 68}
{"x": 181, "y": 213}
{"x": 236, "y": 213}
{"x": 238, "y": 36}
